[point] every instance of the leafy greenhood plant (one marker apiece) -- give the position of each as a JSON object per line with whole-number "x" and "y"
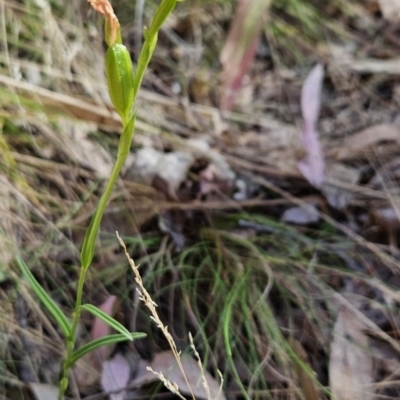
{"x": 123, "y": 86}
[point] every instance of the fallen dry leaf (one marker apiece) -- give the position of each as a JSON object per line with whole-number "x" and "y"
{"x": 115, "y": 376}
{"x": 43, "y": 391}
{"x": 171, "y": 167}
{"x": 350, "y": 364}
{"x": 301, "y": 215}
{"x": 240, "y": 47}
{"x": 337, "y": 196}
{"x": 390, "y": 9}
{"x": 165, "y": 363}
{"x": 313, "y": 165}
{"x": 101, "y": 329}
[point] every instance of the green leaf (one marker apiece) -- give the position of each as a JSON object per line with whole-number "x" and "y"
{"x": 144, "y": 58}
{"x": 106, "y": 318}
{"x": 94, "y": 344}
{"x": 48, "y": 302}
{"x": 89, "y": 241}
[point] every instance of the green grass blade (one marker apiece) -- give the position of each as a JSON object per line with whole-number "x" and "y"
{"x": 94, "y": 344}
{"x": 48, "y": 302}
{"x": 106, "y": 318}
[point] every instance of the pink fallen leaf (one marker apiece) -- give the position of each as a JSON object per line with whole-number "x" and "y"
{"x": 115, "y": 376}
{"x": 88, "y": 368}
{"x": 313, "y": 165}
{"x": 101, "y": 329}
{"x": 240, "y": 47}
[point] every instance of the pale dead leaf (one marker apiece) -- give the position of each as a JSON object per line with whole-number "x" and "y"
{"x": 367, "y": 137}
{"x": 165, "y": 363}
{"x": 174, "y": 166}
{"x": 171, "y": 167}
{"x": 115, "y": 376}
{"x": 301, "y": 215}
{"x": 43, "y": 391}
{"x": 240, "y": 47}
{"x": 390, "y": 9}
{"x": 350, "y": 364}
{"x": 313, "y": 165}
{"x": 337, "y": 196}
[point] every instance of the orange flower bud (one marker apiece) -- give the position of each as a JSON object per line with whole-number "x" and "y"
{"x": 113, "y": 31}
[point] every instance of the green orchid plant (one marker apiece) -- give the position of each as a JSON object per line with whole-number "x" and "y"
{"x": 123, "y": 86}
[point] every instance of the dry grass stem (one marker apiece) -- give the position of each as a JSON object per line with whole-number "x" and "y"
{"x": 151, "y": 305}
{"x": 203, "y": 377}
{"x": 172, "y": 387}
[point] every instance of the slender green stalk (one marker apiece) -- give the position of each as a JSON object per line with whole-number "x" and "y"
{"x": 123, "y": 89}
{"x": 88, "y": 248}
{"x": 93, "y": 229}
{"x": 70, "y": 341}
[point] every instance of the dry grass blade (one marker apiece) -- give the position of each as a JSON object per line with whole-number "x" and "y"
{"x": 203, "y": 377}
{"x": 307, "y": 384}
